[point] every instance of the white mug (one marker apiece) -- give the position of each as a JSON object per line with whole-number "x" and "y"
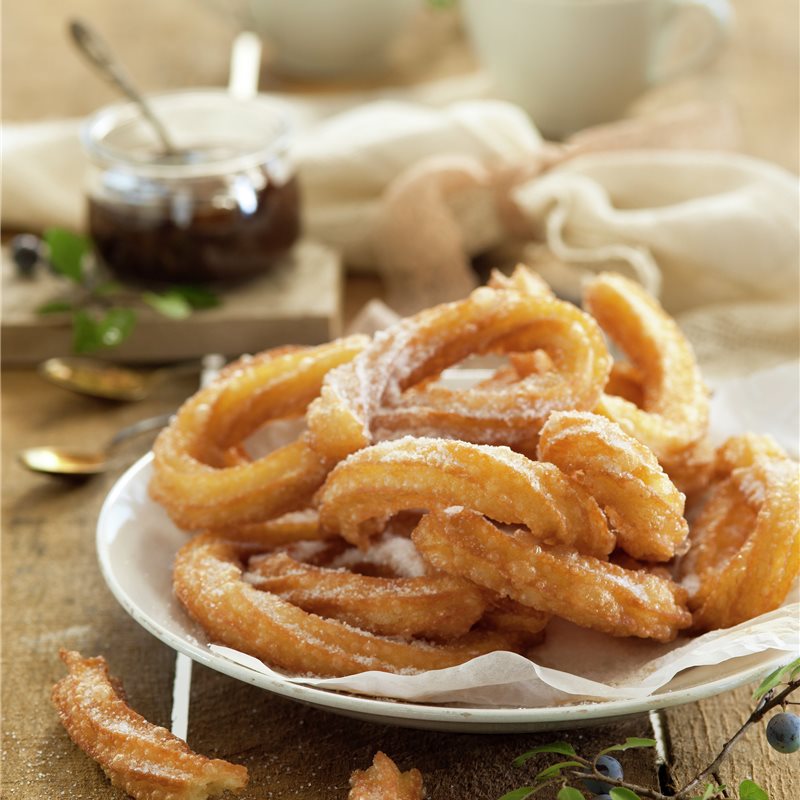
{"x": 326, "y": 38}
{"x": 574, "y": 63}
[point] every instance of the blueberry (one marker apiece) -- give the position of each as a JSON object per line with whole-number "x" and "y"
{"x": 783, "y": 733}
{"x": 606, "y": 765}
{"x": 26, "y": 251}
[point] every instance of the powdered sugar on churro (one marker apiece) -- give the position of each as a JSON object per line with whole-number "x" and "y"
{"x": 395, "y": 553}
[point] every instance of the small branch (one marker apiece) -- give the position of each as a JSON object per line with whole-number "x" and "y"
{"x": 724, "y": 788}
{"x": 548, "y": 782}
{"x": 761, "y": 709}
{"x": 709, "y": 774}
{"x": 642, "y": 791}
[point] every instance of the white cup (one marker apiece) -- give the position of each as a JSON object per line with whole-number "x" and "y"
{"x": 328, "y": 38}
{"x": 574, "y": 63}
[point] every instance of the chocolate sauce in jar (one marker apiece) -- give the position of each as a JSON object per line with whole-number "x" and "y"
{"x": 224, "y": 207}
{"x": 193, "y": 240}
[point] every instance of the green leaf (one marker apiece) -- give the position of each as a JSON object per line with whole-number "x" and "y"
{"x": 568, "y": 793}
{"x": 198, "y": 297}
{"x": 85, "y": 332}
{"x": 116, "y": 326}
{"x": 620, "y": 793}
{"x": 519, "y": 794}
{"x": 791, "y": 669}
{"x": 555, "y": 769}
{"x": 108, "y": 288}
{"x": 769, "y": 683}
{"x": 750, "y": 790}
{"x": 170, "y": 304}
{"x": 66, "y": 252}
{"x": 562, "y": 748}
{"x": 630, "y": 743}
{"x": 712, "y": 790}
{"x": 54, "y": 307}
{"x": 90, "y": 333}
{"x": 786, "y": 672}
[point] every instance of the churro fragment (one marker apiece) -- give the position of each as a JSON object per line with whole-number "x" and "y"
{"x": 143, "y": 759}
{"x": 384, "y": 781}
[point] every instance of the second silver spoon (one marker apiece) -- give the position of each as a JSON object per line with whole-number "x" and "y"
{"x": 61, "y": 461}
{"x": 111, "y": 382}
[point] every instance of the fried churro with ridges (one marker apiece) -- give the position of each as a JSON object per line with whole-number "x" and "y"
{"x": 591, "y": 593}
{"x": 143, "y": 759}
{"x": 208, "y": 580}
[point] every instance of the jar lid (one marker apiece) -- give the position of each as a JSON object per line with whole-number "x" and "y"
{"x": 218, "y": 134}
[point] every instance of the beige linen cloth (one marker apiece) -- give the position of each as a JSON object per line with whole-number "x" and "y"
{"x": 415, "y": 191}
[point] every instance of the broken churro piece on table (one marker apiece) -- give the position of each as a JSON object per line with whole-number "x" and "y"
{"x": 145, "y": 760}
{"x": 384, "y": 781}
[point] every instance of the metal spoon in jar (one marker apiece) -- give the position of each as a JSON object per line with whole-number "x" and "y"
{"x": 60, "y": 461}
{"x": 109, "y": 381}
{"x": 99, "y": 55}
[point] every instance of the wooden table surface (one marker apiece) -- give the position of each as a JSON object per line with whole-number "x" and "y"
{"x": 53, "y": 594}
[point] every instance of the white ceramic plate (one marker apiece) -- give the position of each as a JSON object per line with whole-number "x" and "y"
{"x": 136, "y": 543}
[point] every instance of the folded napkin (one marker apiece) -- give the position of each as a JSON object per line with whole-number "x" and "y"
{"x": 419, "y": 191}
{"x": 43, "y": 175}
{"x": 415, "y": 191}
{"x": 716, "y": 235}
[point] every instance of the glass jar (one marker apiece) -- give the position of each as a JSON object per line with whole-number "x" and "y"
{"x": 224, "y": 207}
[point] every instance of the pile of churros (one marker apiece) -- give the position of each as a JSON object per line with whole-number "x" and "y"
{"x": 412, "y": 526}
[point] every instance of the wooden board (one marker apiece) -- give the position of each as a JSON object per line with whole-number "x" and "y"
{"x": 298, "y": 302}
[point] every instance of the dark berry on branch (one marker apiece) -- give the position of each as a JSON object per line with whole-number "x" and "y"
{"x": 26, "y": 251}
{"x": 783, "y": 733}
{"x": 608, "y": 766}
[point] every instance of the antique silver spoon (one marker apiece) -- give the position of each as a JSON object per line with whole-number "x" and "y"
{"x": 100, "y": 56}
{"x": 109, "y": 381}
{"x": 62, "y": 461}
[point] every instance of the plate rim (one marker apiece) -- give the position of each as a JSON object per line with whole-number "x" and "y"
{"x": 406, "y": 711}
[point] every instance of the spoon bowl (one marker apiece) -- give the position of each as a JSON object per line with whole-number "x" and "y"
{"x": 58, "y": 461}
{"x": 108, "y": 381}
{"x": 63, "y": 461}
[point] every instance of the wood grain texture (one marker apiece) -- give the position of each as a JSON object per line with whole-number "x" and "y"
{"x": 53, "y": 594}
{"x": 698, "y": 732}
{"x": 299, "y": 299}
{"x": 294, "y": 751}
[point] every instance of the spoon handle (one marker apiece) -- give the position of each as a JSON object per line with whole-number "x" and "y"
{"x": 245, "y": 66}
{"x": 177, "y": 370}
{"x": 142, "y": 426}
{"x": 99, "y": 54}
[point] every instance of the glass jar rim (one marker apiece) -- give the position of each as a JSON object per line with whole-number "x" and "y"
{"x": 109, "y": 118}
